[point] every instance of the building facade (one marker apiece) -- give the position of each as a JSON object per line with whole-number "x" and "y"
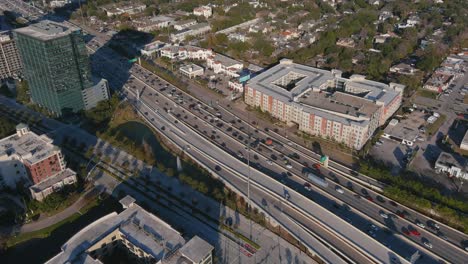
{"x": 191, "y": 70}
{"x": 56, "y": 65}
{"x": 28, "y": 156}
{"x": 322, "y": 103}
{"x": 191, "y": 31}
{"x": 10, "y": 61}
{"x": 96, "y": 93}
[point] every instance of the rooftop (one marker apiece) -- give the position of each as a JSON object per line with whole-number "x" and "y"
{"x": 196, "y": 249}
{"x": 341, "y": 103}
{"x": 465, "y": 139}
{"x": 141, "y": 228}
{"x": 47, "y": 30}
{"x": 190, "y": 67}
{"x": 224, "y": 60}
{"x": 449, "y": 160}
{"x": 407, "y": 129}
{"x": 30, "y": 147}
{"x": 50, "y": 181}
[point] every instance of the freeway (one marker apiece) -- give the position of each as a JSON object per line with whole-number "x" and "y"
{"x": 152, "y": 82}
{"x": 352, "y": 234}
{"x": 453, "y": 254}
{"x": 176, "y": 130}
{"x": 343, "y": 175}
{"x": 337, "y": 172}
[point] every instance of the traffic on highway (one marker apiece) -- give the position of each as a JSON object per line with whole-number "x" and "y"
{"x": 293, "y": 165}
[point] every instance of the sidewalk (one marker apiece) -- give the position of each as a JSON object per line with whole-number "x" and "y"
{"x": 51, "y": 220}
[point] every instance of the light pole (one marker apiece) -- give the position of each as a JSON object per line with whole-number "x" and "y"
{"x": 248, "y": 176}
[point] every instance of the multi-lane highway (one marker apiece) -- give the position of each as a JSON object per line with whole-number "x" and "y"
{"x": 167, "y": 93}
{"x": 425, "y": 238}
{"x": 368, "y": 216}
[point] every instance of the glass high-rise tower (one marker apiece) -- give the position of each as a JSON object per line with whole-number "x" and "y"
{"x": 56, "y": 65}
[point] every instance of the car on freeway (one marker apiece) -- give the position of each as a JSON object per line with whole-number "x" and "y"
{"x": 427, "y": 244}
{"x": 443, "y": 236}
{"x": 339, "y": 189}
{"x": 250, "y": 248}
{"x": 414, "y": 232}
{"x": 289, "y": 166}
{"x": 421, "y": 225}
{"x": 307, "y": 186}
{"x": 383, "y": 215}
{"x": 269, "y": 162}
{"x": 400, "y": 214}
{"x": 217, "y": 168}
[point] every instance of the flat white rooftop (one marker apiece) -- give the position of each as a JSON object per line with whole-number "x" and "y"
{"x": 47, "y": 30}
{"x": 30, "y": 147}
{"x": 141, "y": 228}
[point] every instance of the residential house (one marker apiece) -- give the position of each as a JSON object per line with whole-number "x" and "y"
{"x": 205, "y": 11}
{"x": 346, "y": 42}
{"x": 403, "y": 68}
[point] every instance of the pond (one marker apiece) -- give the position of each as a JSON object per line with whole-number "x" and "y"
{"x": 141, "y": 134}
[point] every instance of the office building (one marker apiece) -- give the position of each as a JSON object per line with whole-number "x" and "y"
{"x": 135, "y": 236}
{"x": 26, "y": 156}
{"x": 56, "y": 65}
{"x": 191, "y": 70}
{"x": 10, "y": 62}
{"x": 96, "y": 93}
{"x": 322, "y": 103}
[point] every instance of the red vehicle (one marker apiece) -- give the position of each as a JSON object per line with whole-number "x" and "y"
{"x": 406, "y": 232}
{"x": 369, "y": 198}
{"x": 415, "y": 232}
{"x": 246, "y": 252}
{"x": 316, "y": 166}
{"x": 250, "y": 248}
{"x": 269, "y": 142}
{"x": 400, "y": 214}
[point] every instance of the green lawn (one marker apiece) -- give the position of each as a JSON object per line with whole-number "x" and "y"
{"x": 432, "y": 128}
{"x": 40, "y": 233}
{"x": 428, "y": 94}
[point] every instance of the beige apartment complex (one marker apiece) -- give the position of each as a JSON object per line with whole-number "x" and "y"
{"x": 323, "y": 103}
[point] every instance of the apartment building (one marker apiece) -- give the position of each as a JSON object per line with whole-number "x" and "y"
{"x": 28, "y": 156}
{"x": 322, "y": 103}
{"x": 124, "y": 8}
{"x": 10, "y": 61}
{"x": 194, "y": 30}
{"x": 144, "y": 238}
{"x": 153, "y": 23}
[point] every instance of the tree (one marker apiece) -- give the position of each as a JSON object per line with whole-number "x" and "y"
{"x": 170, "y": 172}
{"x": 263, "y": 45}
{"x": 22, "y": 92}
